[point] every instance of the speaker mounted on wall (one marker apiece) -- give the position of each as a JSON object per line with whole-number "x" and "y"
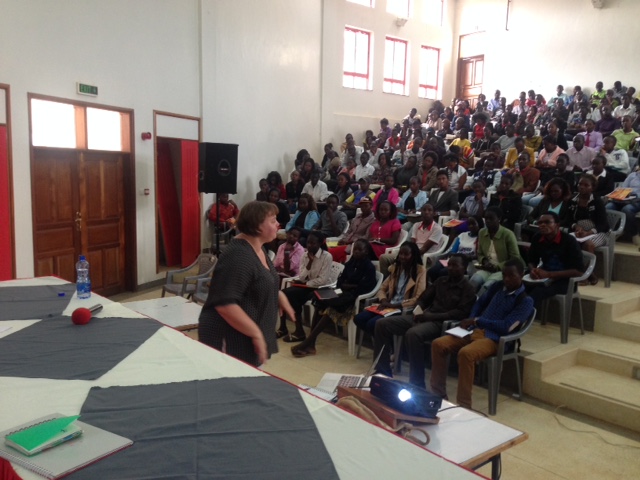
{"x": 218, "y": 168}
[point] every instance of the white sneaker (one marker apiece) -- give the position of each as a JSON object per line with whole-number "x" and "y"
{"x": 636, "y": 239}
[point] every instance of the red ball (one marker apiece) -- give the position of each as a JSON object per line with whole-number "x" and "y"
{"x": 81, "y": 316}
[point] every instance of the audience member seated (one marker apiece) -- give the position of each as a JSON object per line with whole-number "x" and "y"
{"x": 403, "y": 174}
{"x": 496, "y": 245}
{"x": 484, "y": 144}
{"x": 283, "y": 216}
{"x": 525, "y": 176}
{"x": 473, "y": 205}
{"x": 548, "y": 156}
{"x": 627, "y": 108}
{"x": 434, "y": 145}
{"x": 357, "y": 278}
{"x": 577, "y": 120}
{"x": 428, "y": 171}
{"x": 587, "y": 218}
{"x": 332, "y": 221}
{"x": 300, "y": 158}
{"x": 592, "y": 139}
{"x": 289, "y": 255}
{"x": 275, "y": 181}
{"x": 556, "y": 198}
{"x": 598, "y": 95}
{"x": 385, "y": 229}
{"x": 446, "y": 128}
{"x": 358, "y": 229}
{"x": 605, "y": 184}
{"x": 263, "y": 194}
{"x": 629, "y": 208}
{"x": 294, "y": 190}
{"x": 486, "y": 174}
{"x": 494, "y": 103}
{"x": 449, "y": 298}
{"x": 315, "y": 271}
{"x": 316, "y": 188}
{"x": 607, "y": 124}
{"x": 387, "y": 192}
{"x": 498, "y": 312}
{"x": 223, "y": 215}
{"x": 308, "y": 168}
{"x": 553, "y": 131}
{"x": 580, "y": 156}
{"x": 466, "y": 244}
{"x": 456, "y": 173}
{"x": 507, "y": 140}
{"x": 364, "y": 169}
{"x": 352, "y": 153}
{"x": 406, "y": 281}
{"x": 533, "y": 199}
{"x": 444, "y": 199}
{"x": 305, "y": 218}
{"x": 508, "y": 201}
{"x": 434, "y": 121}
{"x": 349, "y": 169}
{"x": 426, "y": 234}
{"x": 514, "y": 153}
{"x": 343, "y": 188}
{"x": 352, "y": 203}
{"x": 626, "y": 136}
{"x": 411, "y": 202}
{"x": 617, "y": 159}
{"x": 383, "y": 169}
{"x": 374, "y": 154}
{"x": 328, "y": 155}
{"x": 559, "y": 95}
{"x": 401, "y": 155}
{"x": 560, "y": 256}
{"x": 531, "y": 140}
{"x": 462, "y": 140}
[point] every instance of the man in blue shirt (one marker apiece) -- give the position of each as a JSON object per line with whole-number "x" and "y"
{"x": 500, "y": 311}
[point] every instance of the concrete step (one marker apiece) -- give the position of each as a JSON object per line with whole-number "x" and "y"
{"x": 619, "y": 315}
{"x": 593, "y": 374}
{"x": 626, "y": 264}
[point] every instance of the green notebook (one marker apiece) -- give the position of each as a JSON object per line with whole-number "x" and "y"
{"x": 44, "y": 435}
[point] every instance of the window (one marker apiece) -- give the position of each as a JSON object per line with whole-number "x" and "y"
{"x": 62, "y": 125}
{"x": 400, "y": 8}
{"x": 364, "y": 3}
{"x": 395, "y": 66}
{"x": 357, "y": 59}
{"x": 429, "y": 72}
{"x": 433, "y": 12}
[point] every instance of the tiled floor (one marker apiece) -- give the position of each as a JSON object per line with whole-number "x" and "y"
{"x": 561, "y": 445}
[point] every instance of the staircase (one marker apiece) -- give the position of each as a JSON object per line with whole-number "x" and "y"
{"x": 597, "y": 374}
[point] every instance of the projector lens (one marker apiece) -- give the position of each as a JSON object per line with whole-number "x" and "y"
{"x": 404, "y": 395}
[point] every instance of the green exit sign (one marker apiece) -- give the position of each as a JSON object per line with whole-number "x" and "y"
{"x": 84, "y": 89}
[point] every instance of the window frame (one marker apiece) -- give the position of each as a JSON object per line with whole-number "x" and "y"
{"x": 368, "y": 75}
{"x": 426, "y": 86}
{"x": 403, "y": 14}
{"x": 371, "y": 3}
{"x": 404, "y": 82}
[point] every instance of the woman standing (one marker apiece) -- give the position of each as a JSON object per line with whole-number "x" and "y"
{"x": 357, "y": 278}
{"x": 406, "y": 281}
{"x": 240, "y": 314}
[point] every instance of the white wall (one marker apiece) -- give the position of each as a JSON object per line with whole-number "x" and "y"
{"x": 349, "y": 110}
{"x": 552, "y": 42}
{"x": 142, "y": 55}
{"x": 261, "y": 83}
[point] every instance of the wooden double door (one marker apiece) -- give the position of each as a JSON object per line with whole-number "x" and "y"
{"x": 470, "y": 79}
{"x": 79, "y": 209}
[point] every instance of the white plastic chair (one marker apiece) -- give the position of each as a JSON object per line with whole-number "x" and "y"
{"x": 433, "y": 256}
{"x": 616, "y": 219}
{"x": 524, "y": 215}
{"x": 566, "y": 300}
{"x": 351, "y": 327}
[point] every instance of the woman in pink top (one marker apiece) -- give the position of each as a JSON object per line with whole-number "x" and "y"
{"x": 385, "y": 230}
{"x": 387, "y": 192}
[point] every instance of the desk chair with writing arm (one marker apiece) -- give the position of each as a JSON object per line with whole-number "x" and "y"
{"x": 179, "y": 284}
{"x": 616, "y": 219}
{"x": 566, "y": 300}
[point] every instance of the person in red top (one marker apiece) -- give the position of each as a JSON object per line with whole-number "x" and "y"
{"x": 228, "y": 212}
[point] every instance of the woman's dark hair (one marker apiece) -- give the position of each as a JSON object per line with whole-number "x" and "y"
{"x": 275, "y": 189}
{"x": 366, "y": 245}
{"x": 416, "y": 259}
{"x": 393, "y": 213}
{"x": 274, "y": 178}
{"x": 593, "y": 180}
{"x": 497, "y": 211}
{"x": 318, "y": 236}
{"x": 310, "y": 201}
{"x": 300, "y": 156}
{"x": 566, "y": 190}
{"x": 431, "y": 154}
{"x": 347, "y": 177}
{"x": 479, "y": 220}
{"x": 463, "y": 258}
{"x": 333, "y": 195}
{"x": 329, "y": 145}
{"x": 309, "y": 160}
{"x": 252, "y": 215}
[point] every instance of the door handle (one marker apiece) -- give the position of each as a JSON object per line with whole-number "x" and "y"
{"x": 78, "y": 221}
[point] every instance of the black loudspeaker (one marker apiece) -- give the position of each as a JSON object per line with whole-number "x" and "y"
{"x": 218, "y": 168}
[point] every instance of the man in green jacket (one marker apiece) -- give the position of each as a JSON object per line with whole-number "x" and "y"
{"x": 496, "y": 245}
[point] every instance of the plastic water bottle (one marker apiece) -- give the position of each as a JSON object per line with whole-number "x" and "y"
{"x": 83, "y": 283}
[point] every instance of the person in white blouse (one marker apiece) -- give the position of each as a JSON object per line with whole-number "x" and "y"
{"x": 364, "y": 170}
{"x": 316, "y": 187}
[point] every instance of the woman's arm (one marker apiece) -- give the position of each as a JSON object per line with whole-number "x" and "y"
{"x": 237, "y": 318}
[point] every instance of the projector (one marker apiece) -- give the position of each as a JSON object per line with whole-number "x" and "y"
{"x": 404, "y": 397}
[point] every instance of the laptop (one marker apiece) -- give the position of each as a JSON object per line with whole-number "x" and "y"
{"x": 331, "y": 381}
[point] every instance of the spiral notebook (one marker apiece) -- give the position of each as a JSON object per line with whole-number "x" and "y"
{"x": 94, "y": 444}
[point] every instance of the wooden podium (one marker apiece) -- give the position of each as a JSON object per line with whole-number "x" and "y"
{"x": 387, "y": 414}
